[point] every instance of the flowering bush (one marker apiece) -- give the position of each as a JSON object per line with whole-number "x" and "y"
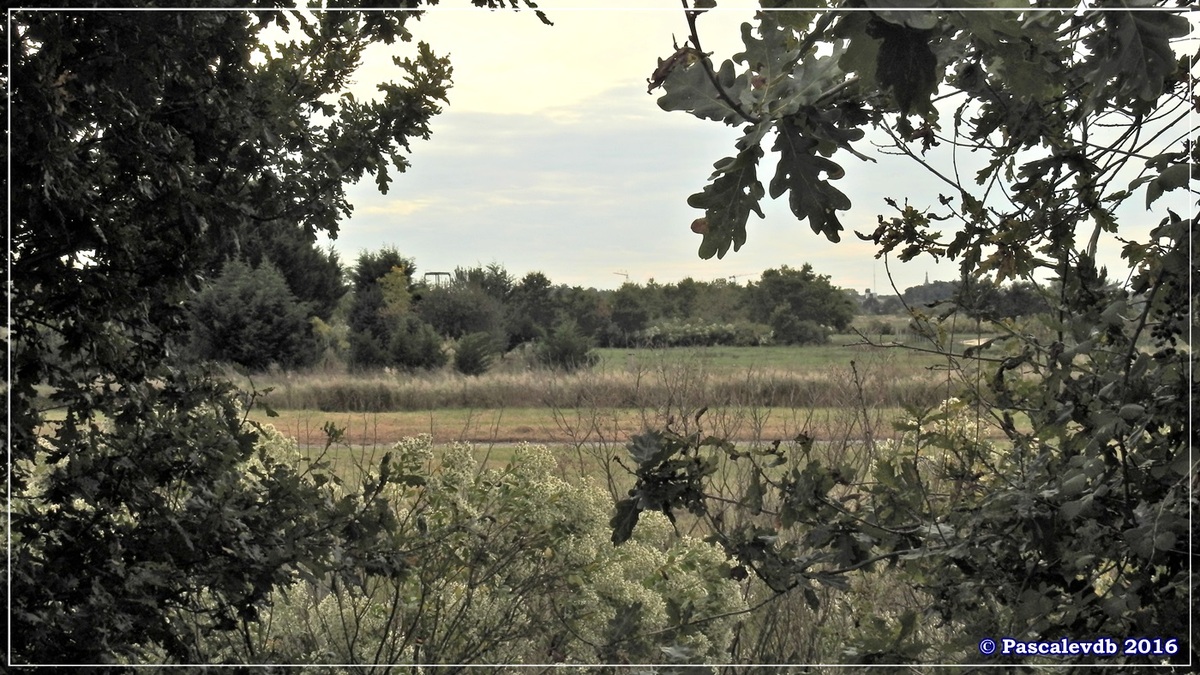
{"x": 688, "y": 334}
{"x": 507, "y": 565}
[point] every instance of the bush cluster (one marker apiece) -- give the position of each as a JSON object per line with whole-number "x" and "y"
{"x": 412, "y": 343}
{"x": 790, "y": 329}
{"x": 474, "y": 353}
{"x": 688, "y": 334}
{"x": 249, "y": 316}
{"x": 566, "y": 348}
{"x": 880, "y": 327}
{"x": 504, "y": 566}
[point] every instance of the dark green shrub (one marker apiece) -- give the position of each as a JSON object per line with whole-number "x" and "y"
{"x": 566, "y": 348}
{"x": 382, "y": 329}
{"x": 248, "y": 316}
{"x": 880, "y": 327}
{"x": 630, "y": 310}
{"x": 366, "y": 351}
{"x": 461, "y": 309}
{"x": 474, "y": 354}
{"x": 409, "y": 343}
{"x": 748, "y": 334}
{"x": 415, "y": 344}
{"x": 530, "y": 310}
{"x": 792, "y": 330}
{"x": 315, "y": 276}
{"x": 805, "y": 293}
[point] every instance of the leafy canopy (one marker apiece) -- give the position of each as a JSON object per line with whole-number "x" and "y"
{"x": 141, "y": 145}
{"x": 816, "y": 81}
{"x": 1052, "y": 495}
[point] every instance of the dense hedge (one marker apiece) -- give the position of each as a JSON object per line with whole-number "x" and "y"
{"x": 687, "y": 334}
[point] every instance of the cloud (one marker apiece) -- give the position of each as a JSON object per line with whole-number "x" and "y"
{"x": 551, "y": 156}
{"x": 393, "y": 207}
{"x": 576, "y": 198}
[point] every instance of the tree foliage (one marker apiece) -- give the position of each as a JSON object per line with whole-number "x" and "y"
{"x": 248, "y": 316}
{"x": 587, "y": 308}
{"x": 371, "y": 266}
{"x": 630, "y": 309}
{"x": 493, "y": 280}
{"x": 474, "y": 353}
{"x": 384, "y": 330}
{"x": 313, "y": 275}
{"x": 1009, "y": 77}
{"x": 789, "y": 329}
{"x": 531, "y": 309}
{"x": 415, "y": 344}
{"x": 566, "y": 348}
{"x": 141, "y": 144}
{"x": 461, "y": 308}
{"x": 1052, "y": 496}
{"x": 802, "y": 295}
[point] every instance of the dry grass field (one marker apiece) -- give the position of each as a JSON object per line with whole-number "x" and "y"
{"x": 558, "y": 426}
{"x": 830, "y": 376}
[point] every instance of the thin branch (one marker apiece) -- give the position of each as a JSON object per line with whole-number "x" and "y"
{"x": 925, "y": 350}
{"x": 902, "y": 146}
{"x": 1141, "y": 325}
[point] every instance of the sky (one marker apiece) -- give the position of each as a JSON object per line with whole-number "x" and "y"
{"x": 551, "y": 156}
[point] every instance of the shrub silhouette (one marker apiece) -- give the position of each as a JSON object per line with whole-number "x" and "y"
{"x": 566, "y": 348}
{"x": 474, "y": 354}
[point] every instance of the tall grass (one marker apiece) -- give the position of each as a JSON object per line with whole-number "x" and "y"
{"x": 639, "y": 380}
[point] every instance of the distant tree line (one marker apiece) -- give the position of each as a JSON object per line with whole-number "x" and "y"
{"x": 276, "y": 302}
{"x": 977, "y": 298}
{"x": 281, "y": 301}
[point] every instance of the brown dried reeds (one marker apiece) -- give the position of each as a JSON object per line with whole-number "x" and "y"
{"x": 670, "y": 385}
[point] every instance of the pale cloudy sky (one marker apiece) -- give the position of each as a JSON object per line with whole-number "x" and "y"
{"x": 551, "y": 156}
